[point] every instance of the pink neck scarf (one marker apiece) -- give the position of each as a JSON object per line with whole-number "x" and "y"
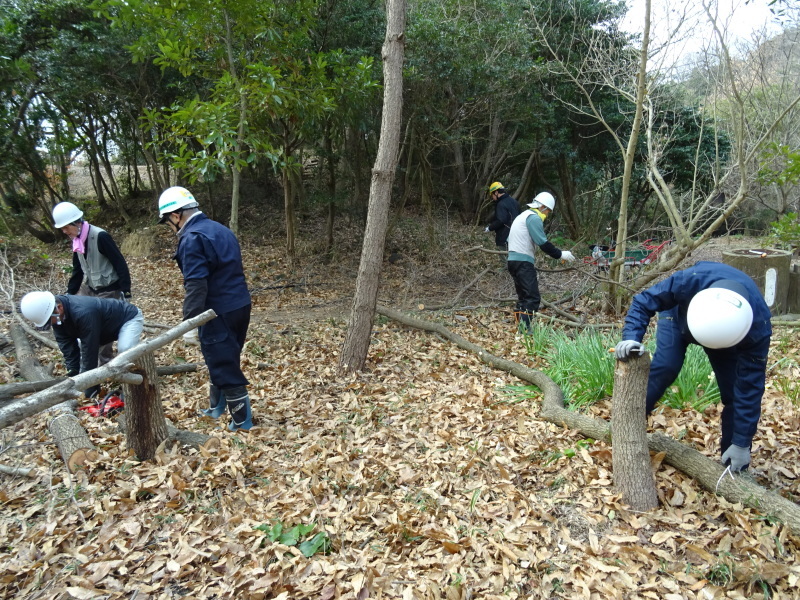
{"x": 79, "y": 242}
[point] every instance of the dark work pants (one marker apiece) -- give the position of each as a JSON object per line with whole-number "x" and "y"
{"x": 221, "y": 342}
{"x": 671, "y": 348}
{"x": 526, "y": 284}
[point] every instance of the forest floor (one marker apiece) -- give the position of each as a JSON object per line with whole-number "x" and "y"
{"x": 432, "y": 474}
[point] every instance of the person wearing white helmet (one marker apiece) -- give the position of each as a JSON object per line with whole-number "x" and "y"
{"x": 81, "y": 324}
{"x": 527, "y": 232}
{"x": 98, "y": 267}
{"x": 210, "y": 260}
{"x": 721, "y": 309}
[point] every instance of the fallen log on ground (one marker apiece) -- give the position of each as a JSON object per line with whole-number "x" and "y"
{"x": 193, "y": 439}
{"x": 18, "y": 471}
{"x": 47, "y": 340}
{"x": 707, "y": 472}
{"x": 68, "y": 433}
{"x": 9, "y": 390}
{"x": 115, "y": 370}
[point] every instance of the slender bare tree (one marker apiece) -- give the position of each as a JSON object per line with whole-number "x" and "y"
{"x": 356, "y": 344}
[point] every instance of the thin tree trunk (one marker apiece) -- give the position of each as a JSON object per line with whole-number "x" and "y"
{"x": 617, "y": 274}
{"x": 144, "y": 414}
{"x": 356, "y": 344}
{"x": 331, "y": 165}
{"x": 633, "y": 477}
{"x": 288, "y": 210}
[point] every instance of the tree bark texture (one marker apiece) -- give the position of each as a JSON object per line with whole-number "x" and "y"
{"x": 633, "y": 476}
{"x": 147, "y": 427}
{"x": 707, "y": 472}
{"x": 356, "y": 344}
{"x": 193, "y": 439}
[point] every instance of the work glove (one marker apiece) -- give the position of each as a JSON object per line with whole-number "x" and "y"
{"x": 486, "y": 230}
{"x": 191, "y": 338}
{"x": 737, "y": 457}
{"x": 626, "y": 348}
{"x": 567, "y": 256}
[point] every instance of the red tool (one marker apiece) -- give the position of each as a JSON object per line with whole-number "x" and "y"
{"x": 111, "y": 405}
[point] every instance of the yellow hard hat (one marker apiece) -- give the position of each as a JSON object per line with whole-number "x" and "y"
{"x": 496, "y": 186}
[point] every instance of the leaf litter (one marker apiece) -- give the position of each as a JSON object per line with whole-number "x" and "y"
{"x": 426, "y": 477}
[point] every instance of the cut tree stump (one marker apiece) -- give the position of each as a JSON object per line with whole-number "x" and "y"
{"x": 147, "y": 427}
{"x": 630, "y": 455}
{"x": 769, "y": 268}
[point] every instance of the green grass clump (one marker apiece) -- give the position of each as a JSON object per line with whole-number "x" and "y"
{"x": 583, "y": 368}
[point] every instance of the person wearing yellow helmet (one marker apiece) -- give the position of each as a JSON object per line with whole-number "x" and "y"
{"x": 506, "y": 209}
{"x": 721, "y": 309}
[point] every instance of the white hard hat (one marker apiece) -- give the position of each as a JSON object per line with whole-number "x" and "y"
{"x": 719, "y": 318}
{"x": 37, "y": 307}
{"x": 545, "y": 199}
{"x": 173, "y": 199}
{"x": 65, "y": 213}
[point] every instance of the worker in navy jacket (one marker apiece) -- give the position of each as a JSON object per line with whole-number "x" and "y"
{"x": 81, "y": 324}
{"x": 721, "y": 309}
{"x": 210, "y": 260}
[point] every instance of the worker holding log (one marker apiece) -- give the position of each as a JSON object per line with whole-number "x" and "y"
{"x": 721, "y": 309}
{"x": 81, "y": 324}
{"x": 210, "y": 260}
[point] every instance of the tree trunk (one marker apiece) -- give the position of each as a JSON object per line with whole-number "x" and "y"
{"x": 356, "y": 344}
{"x": 331, "y": 166}
{"x": 147, "y": 427}
{"x": 630, "y": 455}
{"x": 288, "y": 208}
{"x": 193, "y": 439}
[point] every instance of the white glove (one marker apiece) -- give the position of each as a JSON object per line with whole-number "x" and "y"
{"x": 626, "y": 348}
{"x": 567, "y": 256}
{"x": 486, "y": 230}
{"x": 191, "y": 338}
{"x": 738, "y": 457}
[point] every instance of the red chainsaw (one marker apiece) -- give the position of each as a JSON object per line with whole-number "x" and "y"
{"x": 109, "y": 406}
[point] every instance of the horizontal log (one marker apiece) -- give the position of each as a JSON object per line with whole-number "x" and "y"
{"x": 9, "y": 390}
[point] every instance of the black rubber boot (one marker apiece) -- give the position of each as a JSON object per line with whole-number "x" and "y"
{"x": 215, "y": 401}
{"x": 239, "y": 407}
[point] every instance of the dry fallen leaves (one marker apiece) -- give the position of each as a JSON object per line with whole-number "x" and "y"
{"x": 430, "y": 482}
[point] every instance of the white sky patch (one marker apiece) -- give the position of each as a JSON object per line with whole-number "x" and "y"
{"x": 680, "y": 28}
